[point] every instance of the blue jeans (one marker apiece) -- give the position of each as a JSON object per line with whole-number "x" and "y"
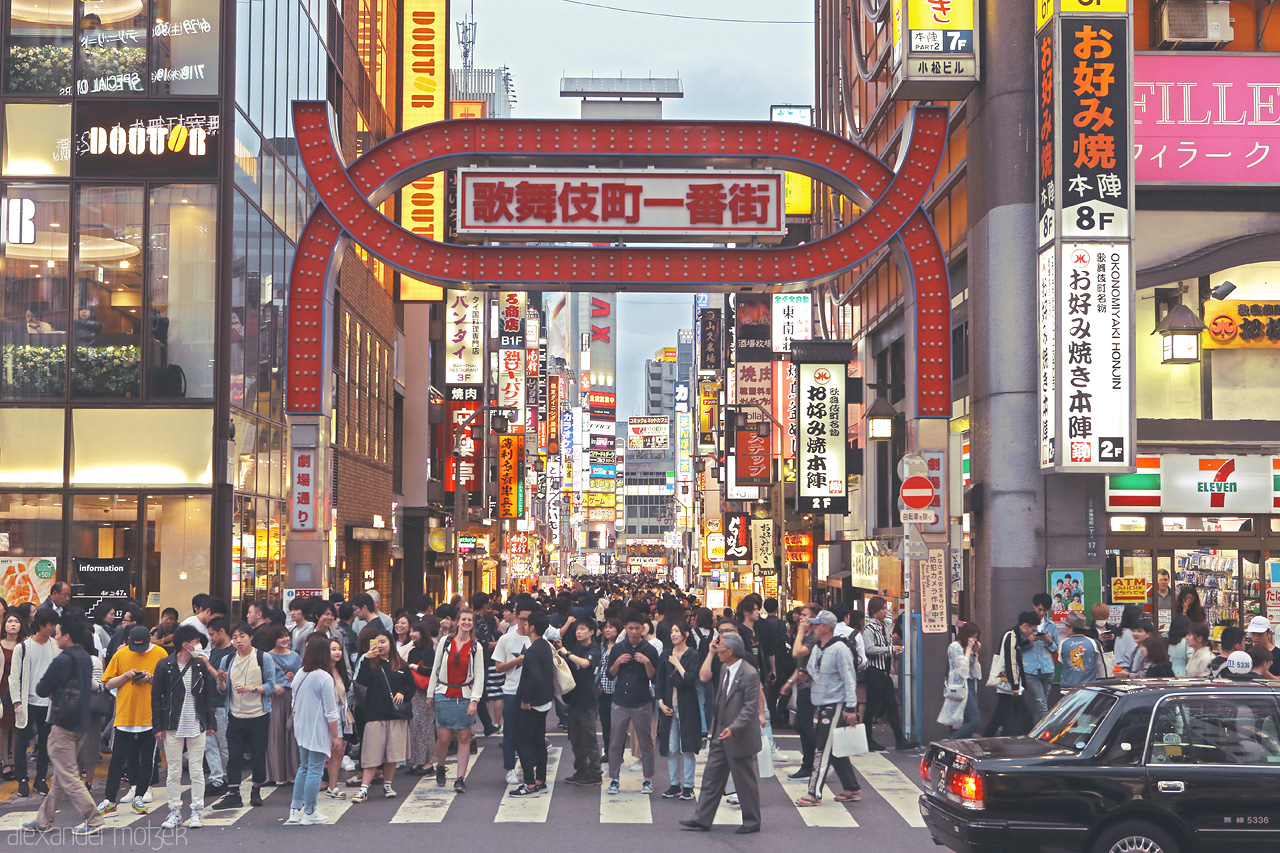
{"x": 306, "y": 784}
{"x": 675, "y": 757}
{"x": 972, "y": 716}
{"x": 510, "y": 730}
{"x": 1038, "y": 686}
{"x": 215, "y": 751}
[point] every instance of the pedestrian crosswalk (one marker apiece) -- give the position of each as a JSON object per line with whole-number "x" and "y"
{"x": 422, "y": 801}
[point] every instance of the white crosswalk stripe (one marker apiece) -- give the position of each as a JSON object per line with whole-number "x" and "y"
{"x": 532, "y": 809}
{"x": 629, "y": 805}
{"x": 428, "y": 802}
{"x": 892, "y": 784}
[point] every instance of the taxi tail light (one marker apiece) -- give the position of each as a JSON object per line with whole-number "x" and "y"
{"x": 924, "y": 767}
{"x": 967, "y": 787}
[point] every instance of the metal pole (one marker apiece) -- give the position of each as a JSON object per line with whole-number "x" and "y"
{"x": 908, "y": 664}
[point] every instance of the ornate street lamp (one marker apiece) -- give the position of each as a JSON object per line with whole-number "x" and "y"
{"x": 879, "y": 420}
{"x": 1180, "y": 330}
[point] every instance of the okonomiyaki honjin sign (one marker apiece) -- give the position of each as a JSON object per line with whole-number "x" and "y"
{"x": 820, "y": 477}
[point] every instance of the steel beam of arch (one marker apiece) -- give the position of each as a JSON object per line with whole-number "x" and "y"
{"x": 348, "y": 211}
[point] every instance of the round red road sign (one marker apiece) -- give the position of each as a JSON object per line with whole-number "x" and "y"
{"x": 917, "y": 492}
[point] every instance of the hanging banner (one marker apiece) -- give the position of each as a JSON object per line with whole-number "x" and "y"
{"x": 786, "y": 408}
{"x": 510, "y": 462}
{"x": 751, "y": 450}
{"x": 820, "y": 479}
{"x": 27, "y": 579}
{"x": 752, "y": 338}
{"x": 553, "y": 415}
{"x": 710, "y": 343}
{"x": 763, "y": 553}
{"x": 424, "y": 74}
{"x": 464, "y": 338}
{"x": 792, "y": 319}
{"x": 461, "y": 403}
{"x": 737, "y": 536}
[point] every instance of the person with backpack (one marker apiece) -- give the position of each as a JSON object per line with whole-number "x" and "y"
{"x": 456, "y": 688}
{"x": 182, "y": 711}
{"x": 67, "y": 683}
{"x": 250, "y": 679}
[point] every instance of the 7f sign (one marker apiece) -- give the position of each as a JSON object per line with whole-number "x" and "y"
{"x": 821, "y": 486}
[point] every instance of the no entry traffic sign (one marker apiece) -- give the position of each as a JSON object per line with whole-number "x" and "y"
{"x": 916, "y": 493}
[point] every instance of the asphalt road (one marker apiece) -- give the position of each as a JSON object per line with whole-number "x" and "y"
{"x": 566, "y": 819}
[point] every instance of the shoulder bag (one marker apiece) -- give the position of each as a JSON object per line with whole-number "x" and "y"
{"x": 564, "y": 678}
{"x": 399, "y": 710}
{"x": 997, "y": 677}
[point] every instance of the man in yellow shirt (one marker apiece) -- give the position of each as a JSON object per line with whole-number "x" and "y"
{"x": 129, "y": 673}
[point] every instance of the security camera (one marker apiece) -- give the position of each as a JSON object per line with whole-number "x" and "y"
{"x": 1223, "y": 290}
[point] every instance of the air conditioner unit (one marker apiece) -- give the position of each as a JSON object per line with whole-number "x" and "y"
{"x": 1195, "y": 24}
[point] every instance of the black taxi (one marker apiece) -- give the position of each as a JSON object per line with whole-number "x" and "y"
{"x": 1159, "y": 766}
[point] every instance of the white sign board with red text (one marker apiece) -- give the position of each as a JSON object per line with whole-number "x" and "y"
{"x": 582, "y": 203}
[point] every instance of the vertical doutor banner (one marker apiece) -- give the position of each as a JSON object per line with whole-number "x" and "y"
{"x": 510, "y": 461}
{"x": 1085, "y": 210}
{"x": 423, "y": 100}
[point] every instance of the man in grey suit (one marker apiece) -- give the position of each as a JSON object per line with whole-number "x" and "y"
{"x": 735, "y": 739}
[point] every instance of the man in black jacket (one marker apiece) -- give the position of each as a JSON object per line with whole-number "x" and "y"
{"x": 534, "y": 696}
{"x": 182, "y": 714}
{"x": 69, "y": 683}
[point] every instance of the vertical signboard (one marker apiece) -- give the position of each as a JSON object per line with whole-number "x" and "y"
{"x": 791, "y": 319}
{"x": 737, "y": 536}
{"x": 463, "y": 401}
{"x": 510, "y": 461}
{"x": 553, "y": 415}
{"x": 935, "y": 51}
{"x": 787, "y": 406}
{"x": 511, "y": 353}
{"x": 751, "y": 450}
{"x": 464, "y": 338}
{"x": 708, "y": 414}
{"x": 753, "y": 328}
{"x": 763, "y": 552}
{"x": 820, "y": 477}
{"x": 710, "y": 346}
{"x": 1084, "y": 171}
{"x": 305, "y": 489}
{"x": 423, "y": 97}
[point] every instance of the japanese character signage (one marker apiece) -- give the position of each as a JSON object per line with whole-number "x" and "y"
{"x": 737, "y": 536}
{"x": 1234, "y": 324}
{"x": 1206, "y": 118}
{"x": 649, "y": 433}
{"x": 752, "y": 340}
{"x": 553, "y": 415}
{"x": 763, "y": 553}
{"x": 754, "y": 463}
{"x": 684, "y": 447}
{"x": 709, "y": 339}
{"x": 820, "y": 479}
{"x": 511, "y": 352}
{"x": 933, "y": 593}
{"x": 463, "y": 338}
{"x": 510, "y": 487}
{"x": 1084, "y": 65}
{"x": 787, "y": 402}
{"x": 753, "y": 386}
{"x": 146, "y": 139}
{"x": 685, "y": 205}
{"x": 1128, "y": 590}
{"x": 462, "y": 402}
{"x": 792, "y": 318}
{"x": 798, "y": 546}
{"x": 305, "y": 489}
{"x": 935, "y": 51}
{"x": 1091, "y": 400}
{"x": 708, "y": 413}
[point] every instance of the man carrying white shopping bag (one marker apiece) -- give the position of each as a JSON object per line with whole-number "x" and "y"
{"x": 834, "y": 688}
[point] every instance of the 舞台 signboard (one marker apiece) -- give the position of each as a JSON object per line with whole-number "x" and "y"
{"x": 1085, "y": 204}
{"x": 464, "y": 338}
{"x": 578, "y": 204}
{"x": 934, "y": 48}
{"x": 1206, "y": 118}
{"x": 1204, "y": 485}
{"x": 792, "y": 318}
{"x": 649, "y": 433}
{"x": 821, "y": 486}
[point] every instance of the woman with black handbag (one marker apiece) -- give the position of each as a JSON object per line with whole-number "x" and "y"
{"x": 387, "y": 691}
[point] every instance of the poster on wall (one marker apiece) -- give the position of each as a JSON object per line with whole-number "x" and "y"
{"x": 97, "y": 580}
{"x": 1076, "y": 591}
{"x": 933, "y": 593}
{"x": 26, "y": 579}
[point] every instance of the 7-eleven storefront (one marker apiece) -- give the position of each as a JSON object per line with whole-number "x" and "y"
{"x": 1210, "y": 522}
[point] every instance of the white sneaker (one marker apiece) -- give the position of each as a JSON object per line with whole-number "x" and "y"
{"x": 314, "y": 819}
{"x": 172, "y": 821}
{"x": 347, "y": 764}
{"x": 196, "y": 821}
{"x": 295, "y": 816}
{"x": 147, "y": 798}
{"x": 732, "y": 799}
{"x": 512, "y": 778}
{"x": 634, "y": 766}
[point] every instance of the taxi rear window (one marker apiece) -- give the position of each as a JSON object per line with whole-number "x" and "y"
{"x": 1075, "y": 719}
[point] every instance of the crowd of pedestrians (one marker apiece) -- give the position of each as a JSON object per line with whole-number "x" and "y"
{"x": 335, "y": 698}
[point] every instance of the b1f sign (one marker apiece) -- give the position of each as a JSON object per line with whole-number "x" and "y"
{"x": 662, "y": 204}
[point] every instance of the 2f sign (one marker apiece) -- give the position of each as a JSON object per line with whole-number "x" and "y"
{"x": 18, "y": 221}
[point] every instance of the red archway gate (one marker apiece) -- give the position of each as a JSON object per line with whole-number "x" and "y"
{"x": 891, "y": 199}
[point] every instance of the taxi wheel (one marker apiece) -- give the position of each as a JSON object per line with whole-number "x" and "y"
{"x": 1134, "y": 836}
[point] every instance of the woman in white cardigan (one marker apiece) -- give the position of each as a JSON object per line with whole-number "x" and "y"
{"x": 456, "y": 688}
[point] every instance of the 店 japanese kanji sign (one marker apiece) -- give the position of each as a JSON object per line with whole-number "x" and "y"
{"x": 820, "y": 475}
{"x": 1084, "y": 65}
{"x": 693, "y": 204}
{"x": 510, "y": 453}
{"x": 1206, "y": 118}
{"x": 463, "y": 338}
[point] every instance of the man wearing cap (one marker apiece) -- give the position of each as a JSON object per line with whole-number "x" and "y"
{"x": 1247, "y": 666}
{"x": 1080, "y": 655}
{"x": 735, "y": 739}
{"x": 834, "y": 694}
{"x": 129, "y": 673}
{"x": 1260, "y": 634}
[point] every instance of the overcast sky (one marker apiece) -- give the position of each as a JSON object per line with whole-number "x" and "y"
{"x": 729, "y": 71}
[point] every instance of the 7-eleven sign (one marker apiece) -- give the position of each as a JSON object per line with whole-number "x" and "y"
{"x": 1209, "y": 485}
